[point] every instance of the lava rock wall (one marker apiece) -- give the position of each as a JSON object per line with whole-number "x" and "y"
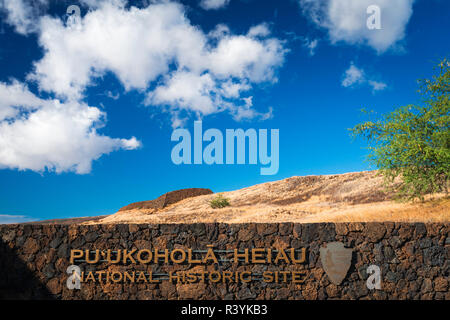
{"x": 413, "y": 258}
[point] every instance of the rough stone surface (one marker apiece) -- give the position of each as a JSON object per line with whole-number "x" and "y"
{"x": 414, "y": 260}
{"x": 167, "y": 199}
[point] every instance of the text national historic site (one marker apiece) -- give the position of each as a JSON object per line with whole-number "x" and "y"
{"x": 207, "y": 258}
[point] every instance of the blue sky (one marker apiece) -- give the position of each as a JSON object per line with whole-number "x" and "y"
{"x": 88, "y": 105}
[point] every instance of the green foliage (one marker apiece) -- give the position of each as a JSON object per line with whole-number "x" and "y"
{"x": 219, "y": 202}
{"x": 413, "y": 142}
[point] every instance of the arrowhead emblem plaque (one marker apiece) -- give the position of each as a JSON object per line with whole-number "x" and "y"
{"x": 336, "y": 260}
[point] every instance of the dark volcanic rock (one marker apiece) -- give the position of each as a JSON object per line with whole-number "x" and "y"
{"x": 167, "y": 199}
{"x": 414, "y": 264}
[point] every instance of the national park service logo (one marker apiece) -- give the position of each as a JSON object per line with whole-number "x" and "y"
{"x": 336, "y": 260}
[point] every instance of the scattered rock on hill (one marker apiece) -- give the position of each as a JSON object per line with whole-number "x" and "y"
{"x": 167, "y": 199}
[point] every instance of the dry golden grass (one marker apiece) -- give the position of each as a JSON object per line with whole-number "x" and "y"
{"x": 351, "y": 197}
{"x": 430, "y": 211}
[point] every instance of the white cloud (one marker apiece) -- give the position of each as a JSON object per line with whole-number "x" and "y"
{"x": 213, "y": 4}
{"x": 202, "y": 94}
{"x": 155, "y": 50}
{"x": 22, "y": 14}
{"x": 186, "y": 90}
{"x": 230, "y": 89}
{"x": 260, "y": 30}
{"x": 13, "y": 218}
{"x": 111, "y": 95}
{"x": 377, "y": 85}
{"x": 345, "y": 20}
{"x": 94, "y": 4}
{"x": 311, "y": 45}
{"x": 246, "y": 57}
{"x": 41, "y": 134}
{"x": 137, "y": 45}
{"x": 355, "y": 76}
{"x": 221, "y": 30}
{"x": 14, "y": 95}
{"x": 158, "y": 45}
{"x": 246, "y": 112}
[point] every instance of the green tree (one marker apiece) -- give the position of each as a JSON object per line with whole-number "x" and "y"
{"x": 413, "y": 142}
{"x": 219, "y": 202}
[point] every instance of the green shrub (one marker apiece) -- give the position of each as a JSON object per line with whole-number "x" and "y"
{"x": 413, "y": 142}
{"x": 219, "y": 202}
